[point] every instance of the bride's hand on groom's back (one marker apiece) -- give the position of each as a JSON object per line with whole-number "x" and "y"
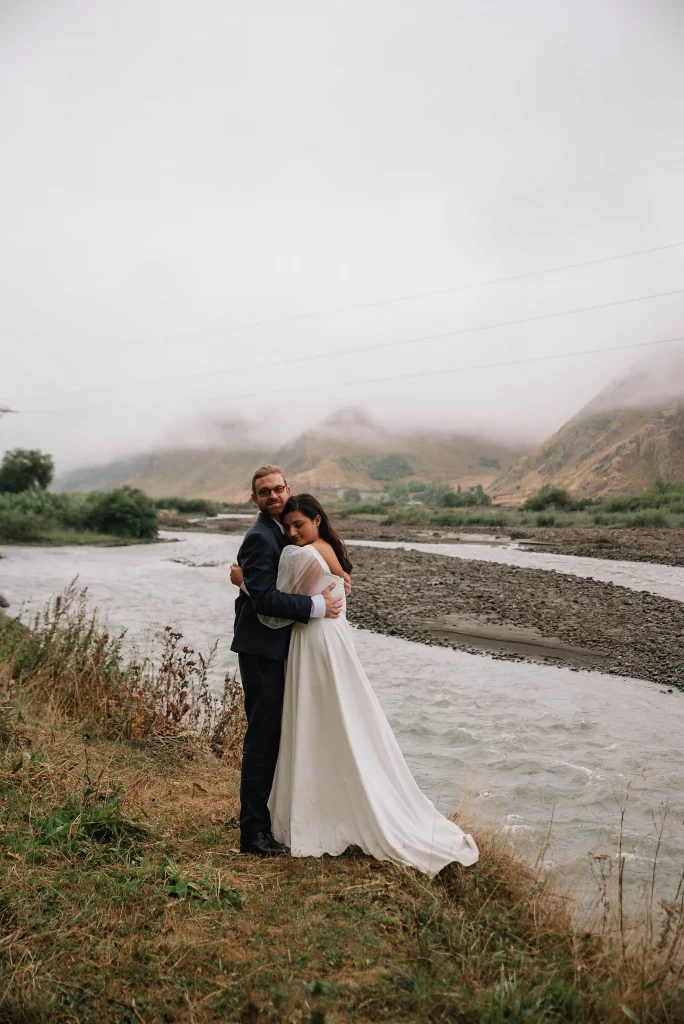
{"x": 236, "y": 577}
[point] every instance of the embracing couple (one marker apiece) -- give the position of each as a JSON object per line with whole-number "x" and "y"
{"x": 321, "y": 768}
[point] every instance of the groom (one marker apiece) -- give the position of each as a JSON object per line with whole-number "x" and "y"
{"x": 262, "y": 653}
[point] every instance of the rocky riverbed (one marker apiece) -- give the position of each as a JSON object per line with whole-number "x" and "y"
{"x": 664, "y": 547}
{"x": 515, "y": 613}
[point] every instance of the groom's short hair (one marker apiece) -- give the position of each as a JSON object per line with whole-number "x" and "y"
{"x": 266, "y": 471}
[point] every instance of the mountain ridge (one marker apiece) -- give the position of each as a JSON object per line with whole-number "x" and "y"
{"x": 623, "y": 440}
{"x": 347, "y": 449}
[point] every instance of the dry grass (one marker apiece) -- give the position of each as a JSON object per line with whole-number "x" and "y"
{"x": 123, "y": 897}
{"x": 69, "y": 662}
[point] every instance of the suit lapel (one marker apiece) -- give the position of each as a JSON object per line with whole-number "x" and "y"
{"x": 268, "y": 521}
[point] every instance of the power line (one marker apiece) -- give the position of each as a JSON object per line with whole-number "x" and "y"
{"x": 374, "y": 304}
{"x": 408, "y": 376}
{"x": 378, "y": 346}
{"x": 493, "y": 366}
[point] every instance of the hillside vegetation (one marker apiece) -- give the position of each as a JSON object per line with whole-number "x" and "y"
{"x": 629, "y": 436}
{"x": 123, "y": 898}
{"x": 346, "y": 451}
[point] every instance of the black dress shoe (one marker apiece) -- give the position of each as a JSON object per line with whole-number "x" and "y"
{"x": 263, "y": 845}
{"x": 280, "y": 846}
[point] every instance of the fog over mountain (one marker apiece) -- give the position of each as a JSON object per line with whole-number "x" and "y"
{"x": 628, "y": 437}
{"x": 224, "y": 222}
{"x": 348, "y": 449}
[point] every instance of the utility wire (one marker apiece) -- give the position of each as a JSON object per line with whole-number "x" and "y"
{"x": 374, "y": 304}
{"x": 373, "y": 346}
{"x": 405, "y": 376}
{"x": 489, "y": 366}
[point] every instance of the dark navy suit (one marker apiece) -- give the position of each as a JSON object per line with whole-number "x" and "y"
{"x": 261, "y": 653}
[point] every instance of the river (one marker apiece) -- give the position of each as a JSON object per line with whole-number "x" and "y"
{"x": 518, "y": 745}
{"x": 664, "y": 580}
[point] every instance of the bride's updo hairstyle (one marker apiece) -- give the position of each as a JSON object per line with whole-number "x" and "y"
{"x": 311, "y": 507}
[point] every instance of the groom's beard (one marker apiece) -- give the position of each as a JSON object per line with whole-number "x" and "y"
{"x": 273, "y": 507}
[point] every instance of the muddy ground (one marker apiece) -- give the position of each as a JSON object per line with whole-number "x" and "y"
{"x": 545, "y": 615}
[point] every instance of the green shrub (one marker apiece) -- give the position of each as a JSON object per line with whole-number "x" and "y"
{"x": 409, "y": 516}
{"x": 389, "y": 467}
{"x": 451, "y": 500}
{"x": 199, "y": 505}
{"x": 369, "y": 509}
{"x": 659, "y": 495}
{"x": 124, "y": 512}
{"x": 32, "y": 516}
{"x": 465, "y": 499}
{"x": 352, "y": 496}
{"x": 449, "y": 519}
{"x": 427, "y": 517}
{"x": 620, "y": 503}
{"x": 16, "y": 528}
{"x": 398, "y": 495}
{"x": 549, "y": 497}
{"x": 646, "y": 519}
{"x": 497, "y": 519}
{"x": 433, "y": 493}
{"x": 545, "y": 519}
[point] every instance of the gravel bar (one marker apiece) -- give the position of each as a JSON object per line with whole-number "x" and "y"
{"x": 663, "y": 547}
{"x": 621, "y": 631}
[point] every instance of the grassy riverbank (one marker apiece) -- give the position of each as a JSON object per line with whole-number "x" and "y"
{"x": 122, "y": 516}
{"x": 61, "y": 537}
{"x": 661, "y": 507}
{"x": 123, "y": 898}
{"x": 646, "y": 518}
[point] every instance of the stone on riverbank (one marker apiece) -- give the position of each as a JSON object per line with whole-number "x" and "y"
{"x": 624, "y": 632}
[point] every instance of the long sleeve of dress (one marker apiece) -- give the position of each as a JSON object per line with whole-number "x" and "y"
{"x": 299, "y": 574}
{"x": 264, "y": 592}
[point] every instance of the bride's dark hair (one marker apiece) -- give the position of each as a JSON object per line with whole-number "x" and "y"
{"x": 311, "y": 507}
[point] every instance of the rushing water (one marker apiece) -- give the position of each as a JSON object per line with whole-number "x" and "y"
{"x": 525, "y": 743}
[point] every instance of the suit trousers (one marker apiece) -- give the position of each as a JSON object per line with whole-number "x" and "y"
{"x": 263, "y": 683}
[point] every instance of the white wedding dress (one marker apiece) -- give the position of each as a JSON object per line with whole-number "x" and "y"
{"x": 341, "y": 779}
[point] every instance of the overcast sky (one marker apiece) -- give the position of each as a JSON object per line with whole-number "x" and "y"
{"x": 183, "y": 184}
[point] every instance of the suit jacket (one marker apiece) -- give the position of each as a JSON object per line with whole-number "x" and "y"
{"x": 258, "y": 558}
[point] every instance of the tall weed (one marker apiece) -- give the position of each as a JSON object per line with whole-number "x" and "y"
{"x": 66, "y": 659}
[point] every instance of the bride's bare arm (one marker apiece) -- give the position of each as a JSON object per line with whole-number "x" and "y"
{"x": 331, "y": 558}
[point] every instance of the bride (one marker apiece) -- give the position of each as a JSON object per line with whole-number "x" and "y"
{"x": 341, "y": 779}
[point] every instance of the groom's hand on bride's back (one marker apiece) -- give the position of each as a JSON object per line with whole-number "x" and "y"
{"x": 333, "y": 604}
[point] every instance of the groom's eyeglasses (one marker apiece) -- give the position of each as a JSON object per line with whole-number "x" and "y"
{"x": 265, "y": 491}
